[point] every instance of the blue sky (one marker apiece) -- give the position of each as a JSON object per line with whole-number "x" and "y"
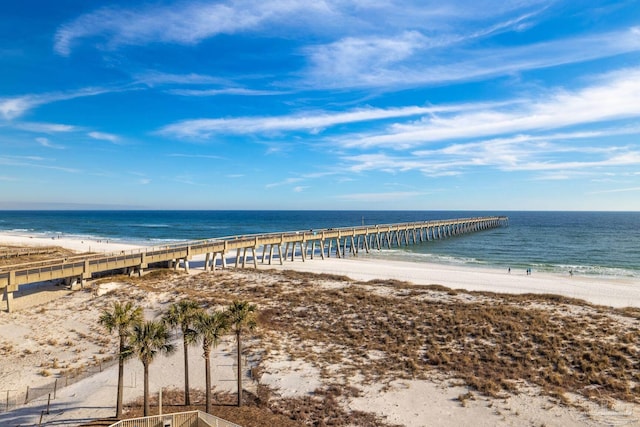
{"x": 292, "y": 104}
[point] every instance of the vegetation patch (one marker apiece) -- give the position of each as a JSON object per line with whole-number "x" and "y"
{"x": 382, "y": 331}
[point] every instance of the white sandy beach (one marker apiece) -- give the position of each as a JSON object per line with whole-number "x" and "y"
{"x": 35, "y": 336}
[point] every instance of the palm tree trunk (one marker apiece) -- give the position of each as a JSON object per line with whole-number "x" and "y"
{"x": 239, "y": 368}
{"x": 146, "y": 389}
{"x": 207, "y": 380}
{"x": 187, "y": 398}
{"x": 120, "y": 378}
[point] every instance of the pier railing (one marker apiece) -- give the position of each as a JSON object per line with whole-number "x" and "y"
{"x": 338, "y": 242}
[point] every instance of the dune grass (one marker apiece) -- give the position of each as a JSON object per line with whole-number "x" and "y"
{"x": 381, "y": 331}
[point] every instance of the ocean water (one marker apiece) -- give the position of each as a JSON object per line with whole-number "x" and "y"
{"x": 589, "y": 243}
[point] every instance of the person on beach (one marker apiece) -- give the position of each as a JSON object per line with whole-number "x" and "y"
{"x": 509, "y": 270}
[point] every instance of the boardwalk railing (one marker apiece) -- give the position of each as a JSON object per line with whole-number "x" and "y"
{"x": 180, "y": 419}
{"x": 338, "y": 242}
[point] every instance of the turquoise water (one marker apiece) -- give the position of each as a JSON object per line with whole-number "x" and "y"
{"x": 589, "y": 243}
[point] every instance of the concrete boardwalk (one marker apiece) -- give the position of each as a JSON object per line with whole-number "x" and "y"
{"x": 338, "y": 242}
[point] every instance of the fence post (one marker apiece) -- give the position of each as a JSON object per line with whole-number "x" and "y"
{"x": 26, "y": 398}
{"x": 41, "y": 415}
{"x": 7, "y": 400}
{"x": 48, "y": 403}
{"x": 55, "y": 389}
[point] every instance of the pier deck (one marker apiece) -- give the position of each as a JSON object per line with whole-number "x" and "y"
{"x": 338, "y": 242}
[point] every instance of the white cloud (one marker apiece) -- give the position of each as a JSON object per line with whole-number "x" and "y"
{"x": 224, "y": 91}
{"x": 34, "y": 162}
{"x": 46, "y": 127}
{"x": 410, "y": 58}
{"x": 365, "y": 60}
{"x": 12, "y": 108}
{"x": 507, "y": 155}
{"x": 181, "y": 23}
{"x": 204, "y": 128}
{"x": 613, "y": 98}
{"x": 46, "y": 143}
{"x": 610, "y": 97}
{"x": 104, "y": 136}
{"x": 618, "y": 190}
{"x": 153, "y": 78}
{"x": 285, "y": 182}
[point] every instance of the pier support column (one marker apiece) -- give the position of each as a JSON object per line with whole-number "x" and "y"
{"x": 270, "y": 254}
{"x": 8, "y": 297}
{"x": 280, "y": 254}
{"x": 223, "y": 255}
{"x": 313, "y": 248}
{"x": 286, "y": 250}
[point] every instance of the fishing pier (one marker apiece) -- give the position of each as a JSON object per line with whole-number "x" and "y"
{"x": 241, "y": 251}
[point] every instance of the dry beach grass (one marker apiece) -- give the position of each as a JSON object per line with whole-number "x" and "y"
{"x": 363, "y": 333}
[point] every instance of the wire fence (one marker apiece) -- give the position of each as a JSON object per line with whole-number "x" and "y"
{"x": 12, "y": 399}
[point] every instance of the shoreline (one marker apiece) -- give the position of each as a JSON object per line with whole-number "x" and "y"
{"x": 73, "y": 243}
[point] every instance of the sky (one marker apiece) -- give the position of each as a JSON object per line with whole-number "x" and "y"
{"x": 324, "y": 104}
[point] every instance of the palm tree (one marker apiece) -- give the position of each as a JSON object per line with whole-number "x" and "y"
{"x": 242, "y": 317}
{"x": 209, "y": 327}
{"x": 121, "y": 318}
{"x": 147, "y": 340}
{"x": 183, "y": 314}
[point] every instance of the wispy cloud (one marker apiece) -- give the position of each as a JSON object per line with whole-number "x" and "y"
{"x": 224, "y": 91}
{"x": 284, "y": 182}
{"x": 46, "y": 143}
{"x": 411, "y": 58}
{"x": 312, "y": 121}
{"x": 182, "y": 23}
{"x": 34, "y": 162}
{"x": 101, "y": 136}
{"x": 510, "y": 155}
{"x": 155, "y": 78}
{"x": 49, "y": 128}
{"x": 617, "y": 190}
{"x": 614, "y": 97}
{"x": 14, "y": 107}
